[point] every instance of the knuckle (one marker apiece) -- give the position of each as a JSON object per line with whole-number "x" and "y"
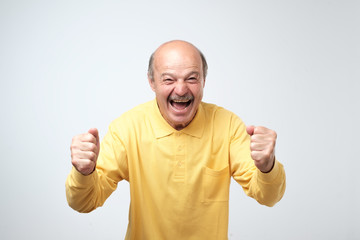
{"x": 73, "y": 147}
{"x": 92, "y": 155}
{"x": 75, "y": 162}
{"x": 74, "y": 154}
{"x": 77, "y": 138}
{"x": 76, "y": 141}
{"x": 87, "y": 136}
{"x": 81, "y": 168}
{"x": 74, "y": 151}
{"x": 93, "y": 147}
{"x": 90, "y": 137}
{"x": 254, "y": 156}
{"x": 84, "y": 138}
{"x": 267, "y": 154}
{"x": 259, "y": 129}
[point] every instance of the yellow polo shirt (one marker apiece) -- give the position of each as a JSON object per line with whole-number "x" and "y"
{"x": 179, "y": 180}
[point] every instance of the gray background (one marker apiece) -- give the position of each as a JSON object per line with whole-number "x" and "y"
{"x": 293, "y": 66}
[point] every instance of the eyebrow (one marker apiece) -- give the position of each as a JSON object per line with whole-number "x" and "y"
{"x": 166, "y": 74}
{"x": 172, "y": 75}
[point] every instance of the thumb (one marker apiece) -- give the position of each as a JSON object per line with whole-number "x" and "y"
{"x": 250, "y": 130}
{"x": 95, "y": 133}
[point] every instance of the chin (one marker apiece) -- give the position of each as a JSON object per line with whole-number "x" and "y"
{"x": 179, "y": 124}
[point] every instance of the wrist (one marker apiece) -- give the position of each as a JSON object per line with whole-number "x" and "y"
{"x": 270, "y": 166}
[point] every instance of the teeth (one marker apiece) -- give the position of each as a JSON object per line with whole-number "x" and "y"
{"x": 180, "y": 101}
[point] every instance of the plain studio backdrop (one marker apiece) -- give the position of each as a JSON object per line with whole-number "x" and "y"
{"x": 293, "y": 66}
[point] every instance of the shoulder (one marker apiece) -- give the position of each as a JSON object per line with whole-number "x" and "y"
{"x": 219, "y": 113}
{"x": 222, "y": 120}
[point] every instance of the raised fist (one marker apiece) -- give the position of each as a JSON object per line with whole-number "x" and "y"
{"x": 262, "y": 147}
{"x": 85, "y": 150}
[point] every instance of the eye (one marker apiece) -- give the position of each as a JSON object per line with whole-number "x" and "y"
{"x": 192, "y": 79}
{"x": 168, "y": 80}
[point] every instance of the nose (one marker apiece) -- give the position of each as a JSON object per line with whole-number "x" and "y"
{"x": 181, "y": 88}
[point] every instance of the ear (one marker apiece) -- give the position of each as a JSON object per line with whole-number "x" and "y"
{"x": 151, "y": 83}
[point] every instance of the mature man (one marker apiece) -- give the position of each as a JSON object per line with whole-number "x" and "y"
{"x": 178, "y": 154}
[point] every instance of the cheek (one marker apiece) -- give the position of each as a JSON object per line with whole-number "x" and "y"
{"x": 163, "y": 93}
{"x": 197, "y": 91}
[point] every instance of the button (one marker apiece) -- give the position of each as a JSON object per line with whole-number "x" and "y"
{"x": 179, "y": 148}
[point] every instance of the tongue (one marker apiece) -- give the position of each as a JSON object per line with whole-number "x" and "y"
{"x": 179, "y": 105}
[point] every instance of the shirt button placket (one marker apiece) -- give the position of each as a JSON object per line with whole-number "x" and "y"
{"x": 179, "y": 171}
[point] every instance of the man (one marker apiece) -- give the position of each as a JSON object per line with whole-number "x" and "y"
{"x": 178, "y": 154}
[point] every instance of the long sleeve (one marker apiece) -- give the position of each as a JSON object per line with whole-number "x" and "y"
{"x": 266, "y": 188}
{"x": 85, "y": 193}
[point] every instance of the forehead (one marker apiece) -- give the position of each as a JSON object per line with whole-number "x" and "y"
{"x": 177, "y": 57}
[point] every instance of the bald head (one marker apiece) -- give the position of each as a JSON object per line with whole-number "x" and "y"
{"x": 179, "y": 48}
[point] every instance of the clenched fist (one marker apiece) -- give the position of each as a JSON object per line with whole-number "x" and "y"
{"x": 85, "y": 150}
{"x": 262, "y": 146}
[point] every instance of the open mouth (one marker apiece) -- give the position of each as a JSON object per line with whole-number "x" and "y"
{"x": 180, "y": 104}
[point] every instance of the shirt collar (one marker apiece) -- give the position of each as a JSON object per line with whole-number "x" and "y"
{"x": 162, "y": 128}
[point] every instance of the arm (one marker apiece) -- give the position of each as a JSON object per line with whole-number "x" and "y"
{"x": 96, "y": 170}
{"x": 253, "y": 163}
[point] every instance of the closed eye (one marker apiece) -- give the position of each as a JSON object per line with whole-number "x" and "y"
{"x": 168, "y": 80}
{"x": 192, "y": 79}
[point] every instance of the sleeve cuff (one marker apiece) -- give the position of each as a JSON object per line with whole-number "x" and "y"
{"x": 270, "y": 176}
{"x": 82, "y": 179}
